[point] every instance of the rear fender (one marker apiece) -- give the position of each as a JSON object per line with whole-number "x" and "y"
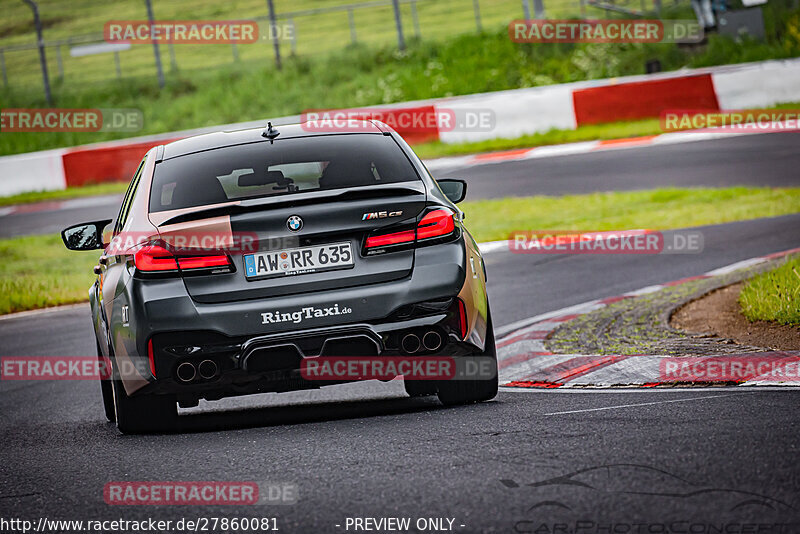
{"x": 473, "y": 293}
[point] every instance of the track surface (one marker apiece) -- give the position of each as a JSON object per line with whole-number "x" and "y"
{"x": 755, "y": 160}
{"x": 722, "y": 456}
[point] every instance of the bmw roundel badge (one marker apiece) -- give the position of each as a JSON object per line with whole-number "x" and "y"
{"x": 294, "y": 223}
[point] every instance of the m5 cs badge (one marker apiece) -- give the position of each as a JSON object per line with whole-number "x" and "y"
{"x": 381, "y": 215}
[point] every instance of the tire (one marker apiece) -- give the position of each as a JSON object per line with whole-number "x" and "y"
{"x": 420, "y": 388}
{"x": 456, "y": 392}
{"x": 143, "y": 414}
{"x": 106, "y": 390}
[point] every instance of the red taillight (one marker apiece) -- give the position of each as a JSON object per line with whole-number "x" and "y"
{"x": 151, "y": 357}
{"x": 204, "y": 262}
{"x": 406, "y": 236}
{"x": 437, "y": 223}
{"x": 462, "y": 317}
{"x": 155, "y": 258}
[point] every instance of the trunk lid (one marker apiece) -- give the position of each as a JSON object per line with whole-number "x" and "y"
{"x": 328, "y": 218}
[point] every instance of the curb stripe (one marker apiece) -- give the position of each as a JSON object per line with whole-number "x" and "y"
{"x": 641, "y": 370}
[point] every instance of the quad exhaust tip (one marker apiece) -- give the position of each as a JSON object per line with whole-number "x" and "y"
{"x": 410, "y": 343}
{"x": 186, "y": 372}
{"x": 207, "y": 369}
{"x": 432, "y": 341}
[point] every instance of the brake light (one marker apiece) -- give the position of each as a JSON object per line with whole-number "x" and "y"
{"x": 437, "y": 223}
{"x": 204, "y": 262}
{"x": 155, "y": 258}
{"x": 406, "y": 236}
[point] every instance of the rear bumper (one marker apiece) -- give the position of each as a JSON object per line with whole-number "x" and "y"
{"x": 378, "y": 312}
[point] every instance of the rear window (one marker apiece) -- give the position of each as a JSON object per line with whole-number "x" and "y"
{"x": 285, "y": 167}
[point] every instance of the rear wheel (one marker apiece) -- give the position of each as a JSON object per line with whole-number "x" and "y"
{"x": 105, "y": 389}
{"x": 142, "y": 414}
{"x": 454, "y": 392}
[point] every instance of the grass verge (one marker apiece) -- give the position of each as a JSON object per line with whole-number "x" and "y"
{"x": 24, "y": 284}
{"x": 657, "y": 209}
{"x": 38, "y": 271}
{"x": 774, "y": 295}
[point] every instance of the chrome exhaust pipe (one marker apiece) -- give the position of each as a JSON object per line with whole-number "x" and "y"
{"x": 432, "y": 341}
{"x": 186, "y": 372}
{"x": 410, "y": 343}
{"x": 207, "y": 369}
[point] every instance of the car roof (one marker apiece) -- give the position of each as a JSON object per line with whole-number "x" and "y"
{"x": 209, "y": 141}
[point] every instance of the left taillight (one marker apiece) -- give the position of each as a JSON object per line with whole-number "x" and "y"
{"x": 157, "y": 259}
{"x": 435, "y": 224}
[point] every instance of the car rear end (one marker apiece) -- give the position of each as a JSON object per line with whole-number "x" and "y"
{"x": 272, "y": 252}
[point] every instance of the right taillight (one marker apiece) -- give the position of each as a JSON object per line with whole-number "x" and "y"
{"x": 157, "y": 259}
{"x": 437, "y": 223}
{"x": 434, "y": 224}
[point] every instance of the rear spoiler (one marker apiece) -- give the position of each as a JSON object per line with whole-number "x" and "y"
{"x": 298, "y": 199}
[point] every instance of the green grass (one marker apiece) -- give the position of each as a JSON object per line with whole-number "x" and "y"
{"x": 25, "y": 282}
{"x": 369, "y": 74}
{"x": 315, "y": 34}
{"x": 774, "y": 295}
{"x": 657, "y": 209}
{"x": 38, "y": 271}
{"x": 64, "y": 194}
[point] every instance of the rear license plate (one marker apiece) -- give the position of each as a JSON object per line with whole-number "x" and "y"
{"x": 303, "y": 260}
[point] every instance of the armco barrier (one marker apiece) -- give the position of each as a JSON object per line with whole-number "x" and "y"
{"x": 762, "y": 85}
{"x": 35, "y": 171}
{"x": 516, "y": 112}
{"x": 114, "y": 163}
{"x": 641, "y": 100}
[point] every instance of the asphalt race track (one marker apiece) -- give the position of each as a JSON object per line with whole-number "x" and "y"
{"x": 754, "y": 160}
{"x": 593, "y": 461}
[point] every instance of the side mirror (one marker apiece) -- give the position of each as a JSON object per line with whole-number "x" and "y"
{"x": 454, "y": 190}
{"x": 85, "y": 236}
